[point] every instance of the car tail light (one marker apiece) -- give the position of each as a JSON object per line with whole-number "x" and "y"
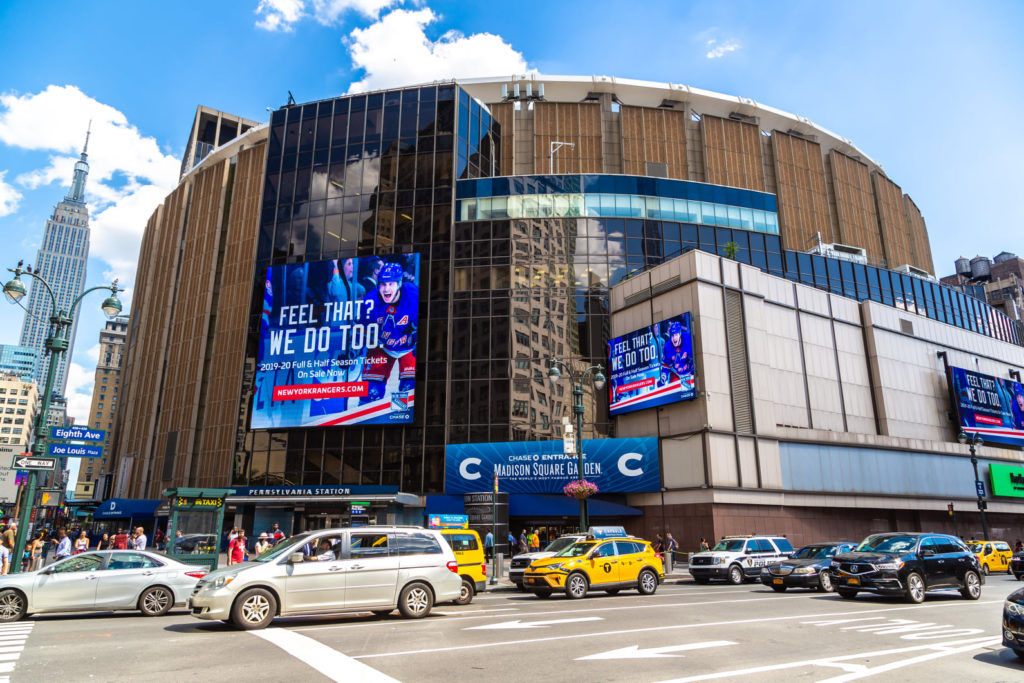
{"x": 483, "y": 566}
{"x": 197, "y": 574}
{"x": 453, "y": 567}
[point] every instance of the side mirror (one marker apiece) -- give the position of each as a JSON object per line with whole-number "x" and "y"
{"x": 295, "y": 558}
{"x": 46, "y": 570}
{"x": 927, "y": 553}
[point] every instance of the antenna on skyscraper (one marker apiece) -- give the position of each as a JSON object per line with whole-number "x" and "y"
{"x": 87, "y": 132}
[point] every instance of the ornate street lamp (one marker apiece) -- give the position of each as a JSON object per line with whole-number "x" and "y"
{"x": 56, "y": 344}
{"x": 974, "y": 439}
{"x": 577, "y": 382}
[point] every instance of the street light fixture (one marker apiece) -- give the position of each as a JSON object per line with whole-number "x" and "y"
{"x": 555, "y": 376}
{"x": 57, "y": 343}
{"x": 974, "y": 439}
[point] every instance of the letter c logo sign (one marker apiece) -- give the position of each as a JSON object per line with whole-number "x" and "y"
{"x": 624, "y": 467}
{"x": 464, "y": 468}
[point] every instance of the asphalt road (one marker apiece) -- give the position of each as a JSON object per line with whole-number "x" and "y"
{"x": 684, "y": 632}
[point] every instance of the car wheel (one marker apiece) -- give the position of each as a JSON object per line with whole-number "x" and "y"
{"x": 984, "y": 569}
{"x": 779, "y": 589}
{"x": 12, "y": 605}
{"x": 915, "y": 588}
{"x": 735, "y": 575}
{"x": 647, "y": 582}
{"x": 253, "y": 609}
{"x": 702, "y": 581}
{"x": 465, "y": 593}
{"x": 543, "y": 594}
{"x": 612, "y": 591}
{"x": 156, "y": 601}
{"x": 825, "y": 582}
{"x": 415, "y": 601}
{"x": 846, "y": 594}
{"x": 576, "y": 586}
{"x": 972, "y": 586}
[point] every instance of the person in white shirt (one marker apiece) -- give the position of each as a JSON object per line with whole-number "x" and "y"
{"x": 63, "y": 546}
{"x": 140, "y": 539}
{"x": 5, "y": 559}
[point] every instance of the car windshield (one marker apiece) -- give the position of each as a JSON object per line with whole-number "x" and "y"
{"x": 730, "y": 545}
{"x": 559, "y": 544}
{"x": 285, "y": 547}
{"x": 576, "y": 549}
{"x": 975, "y": 547}
{"x": 888, "y": 544}
{"x": 814, "y": 552}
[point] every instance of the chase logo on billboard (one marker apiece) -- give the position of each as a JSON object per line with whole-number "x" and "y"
{"x": 615, "y": 465}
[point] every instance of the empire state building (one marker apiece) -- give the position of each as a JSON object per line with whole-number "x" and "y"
{"x": 61, "y": 262}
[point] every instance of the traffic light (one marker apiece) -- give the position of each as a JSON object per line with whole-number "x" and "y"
{"x": 950, "y": 508}
{"x": 982, "y": 505}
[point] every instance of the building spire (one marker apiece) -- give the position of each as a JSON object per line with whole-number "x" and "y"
{"x": 77, "y": 192}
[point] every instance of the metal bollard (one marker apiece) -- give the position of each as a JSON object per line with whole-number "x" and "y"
{"x": 668, "y": 562}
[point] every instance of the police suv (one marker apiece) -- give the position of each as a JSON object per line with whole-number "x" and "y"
{"x": 739, "y": 558}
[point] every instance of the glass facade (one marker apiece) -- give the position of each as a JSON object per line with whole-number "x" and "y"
{"x": 393, "y": 172}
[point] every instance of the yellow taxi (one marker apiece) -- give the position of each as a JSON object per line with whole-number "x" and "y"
{"x": 469, "y": 553}
{"x": 994, "y": 556}
{"x": 606, "y": 564}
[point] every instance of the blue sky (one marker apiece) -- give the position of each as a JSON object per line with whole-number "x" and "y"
{"x": 928, "y": 89}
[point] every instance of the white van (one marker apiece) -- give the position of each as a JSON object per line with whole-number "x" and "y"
{"x": 361, "y": 569}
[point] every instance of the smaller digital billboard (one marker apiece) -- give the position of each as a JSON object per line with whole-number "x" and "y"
{"x": 992, "y": 407}
{"x": 651, "y": 366}
{"x": 338, "y": 343}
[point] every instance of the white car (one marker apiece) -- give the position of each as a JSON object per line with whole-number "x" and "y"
{"x": 102, "y": 580}
{"x": 361, "y": 569}
{"x": 739, "y": 558}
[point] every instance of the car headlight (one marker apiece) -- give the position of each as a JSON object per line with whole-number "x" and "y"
{"x": 834, "y": 566}
{"x": 221, "y": 581}
{"x": 719, "y": 560}
{"x": 764, "y": 570}
{"x": 804, "y": 570}
{"x": 889, "y": 565}
{"x": 1013, "y": 608}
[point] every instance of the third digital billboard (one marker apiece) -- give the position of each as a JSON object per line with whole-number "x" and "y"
{"x": 338, "y": 343}
{"x": 992, "y": 407}
{"x": 651, "y": 366}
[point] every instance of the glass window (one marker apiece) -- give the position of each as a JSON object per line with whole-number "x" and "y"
{"x": 131, "y": 561}
{"x": 461, "y": 542}
{"x": 604, "y": 550}
{"x": 364, "y": 545}
{"x": 88, "y": 562}
{"x": 417, "y": 544}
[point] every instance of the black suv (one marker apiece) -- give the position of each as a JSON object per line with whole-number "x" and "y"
{"x": 907, "y": 564}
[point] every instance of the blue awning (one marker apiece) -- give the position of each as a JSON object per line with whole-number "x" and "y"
{"x": 536, "y": 505}
{"x": 123, "y": 508}
{"x": 445, "y": 505}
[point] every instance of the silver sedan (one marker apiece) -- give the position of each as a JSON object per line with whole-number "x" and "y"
{"x": 100, "y": 581}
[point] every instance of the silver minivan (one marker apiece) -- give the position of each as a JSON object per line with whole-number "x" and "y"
{"x": 360, "y": 569}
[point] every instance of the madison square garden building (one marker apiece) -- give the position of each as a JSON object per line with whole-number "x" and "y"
{"x": 347, "y": 315}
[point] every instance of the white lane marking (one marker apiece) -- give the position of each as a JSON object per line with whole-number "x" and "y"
{"x": 528, "y": 624}
{"x": 12, "y": 643}
{"x": 474, "y": 611}
{"x": 855, "y": 671}
{"x": 328, "y": 661}
{"x": 650, "y": 629}
{"x": 634, "y": 651}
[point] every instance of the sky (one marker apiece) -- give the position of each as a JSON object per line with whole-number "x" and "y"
{"x": 926, "y": 89}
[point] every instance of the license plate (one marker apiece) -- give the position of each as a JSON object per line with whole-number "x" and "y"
{"x": 853, "y": 582}
{"x": 777, "y": 581}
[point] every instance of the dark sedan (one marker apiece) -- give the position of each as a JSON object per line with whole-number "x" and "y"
{"x": 908, "y": 564}
{"x": 807, "y": 568}
{"x": 1013, "y": 622}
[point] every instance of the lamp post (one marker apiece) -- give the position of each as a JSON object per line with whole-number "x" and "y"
{"x": 555, "y": 375}
{"x": 57, "y": 343}
{"x": 974, "y": 439}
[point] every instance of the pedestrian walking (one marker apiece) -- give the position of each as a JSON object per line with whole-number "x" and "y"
{"x": 121, "y": 540}
{"x": 534, "y": 541}
{"x": 489, "y": 545}
{"x": 670, "y": 547}
{"x": 275, "y": 534}
{"x": 262, "y": 544}
{"x": 140, "y": 539}
{"x": 63, "y": 546}
{"x": 81, "y": 543}
{"x": 5, "y": 559}
{"x": 511, "y": 545}
{"x": 659, "y": 545}
{"x": 236, "y": 549}
{"x": 524, "y": 543}
{"x": 104, "y": 543}
{"x": 10, "y": 534}
{"x": 35, "y": 551}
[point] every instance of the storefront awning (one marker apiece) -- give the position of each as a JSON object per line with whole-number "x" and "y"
{"x": 124, "y": 508}
{"x": 534, "y": 505}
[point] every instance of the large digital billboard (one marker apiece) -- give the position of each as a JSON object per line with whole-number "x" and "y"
{"x": 338, "y": 343}
{"x": 615, "y": 465}
{"x": 989, "y": 406}
{"x": 652, "y": 366}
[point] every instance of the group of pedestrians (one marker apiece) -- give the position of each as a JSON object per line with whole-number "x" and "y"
{"x": 237, "y": 543}
{"x": 666, "y": 547}
{"x": 529, "y": 541}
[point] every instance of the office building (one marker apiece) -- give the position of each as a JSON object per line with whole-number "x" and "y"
{"x": 20, "y": 360}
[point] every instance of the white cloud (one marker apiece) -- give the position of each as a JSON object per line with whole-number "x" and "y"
{"x": 9, "y": 197}
{"x": 128, "y": 177}
{"x": 281, "y": 15}
{"x": 79, "y": 392}
{"x": 396, "y": 51}
{"x": 717, "y": 49}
